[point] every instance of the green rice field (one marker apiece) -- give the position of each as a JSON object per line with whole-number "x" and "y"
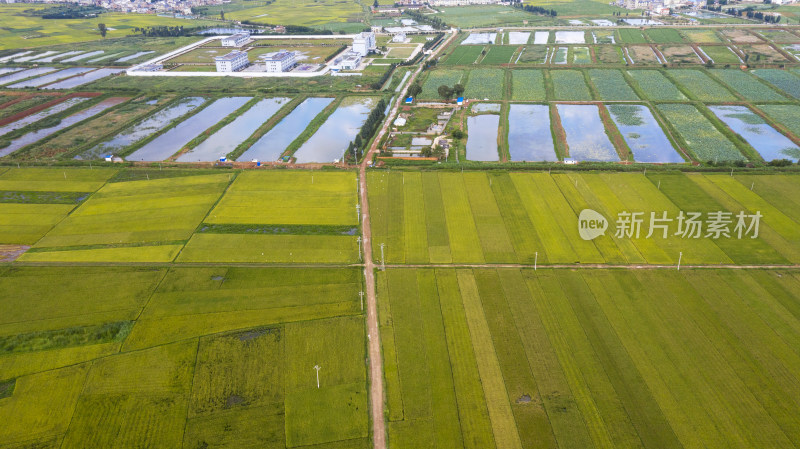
{"x": 589, "y": 358}
{"x": 186, "y": 357}
{"x": 441, "y": 218}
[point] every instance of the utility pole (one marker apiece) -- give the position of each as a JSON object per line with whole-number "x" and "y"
{"x": 317, "y": 367}
{"x": 358, "y": 213}
{"x": 358, "y": 239}
{"x": 536, "y": 260}
{"x": 383, "y": 262}
{"x": 361, "y": 294}
{"x": 680, "y": 256}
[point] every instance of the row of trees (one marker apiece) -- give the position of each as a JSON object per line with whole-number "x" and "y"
{"x": 426, "y": 18}
{"x": 535, "y": 9}
{"x": 164, "y": 31}
{"x": 356, "y": 148}
{"x": 751, "y": 13}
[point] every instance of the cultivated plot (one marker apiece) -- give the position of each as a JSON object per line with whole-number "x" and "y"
{"x": 589, "y": 359}
{"x": 281, "y": 217}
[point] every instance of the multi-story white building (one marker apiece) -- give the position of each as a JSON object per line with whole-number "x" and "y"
{"x": 281, "y": 61}
{"x": 364, "y": 43}
{"x": 236, "y": 40}
{"x": 232, "y": 62}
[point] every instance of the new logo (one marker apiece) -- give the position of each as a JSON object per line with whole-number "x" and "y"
{"x": 591, "y": 224}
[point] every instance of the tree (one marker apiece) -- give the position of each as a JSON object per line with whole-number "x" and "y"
{"x": 445, "y": 92}
{"x": 222, "y": 15}
{"x": 102, "y": 28}
{"x": 414, "y": 90}
{"x": 458, "y": 89}
{"x": 375, "y": 4}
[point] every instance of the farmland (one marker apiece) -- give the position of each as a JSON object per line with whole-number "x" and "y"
{"x": 77, "y": 216}
{"x": 463, "y": 55}
{"x": 27, "y": 30}
{"x": 591, "y": 358}
{"x": 485, "y": 83}
{"x": 706, "y": 141}
{"x": 655, "y": 85}
{"x": 499, "y": 55}
{"x": 240, "y": 360}
{"x": 242, "y": 299}
{"x": 514, "y": 218}
{"x": 569, "y": 85}
{"x": 611, "y": 85}
{"x": 528, "y": 85}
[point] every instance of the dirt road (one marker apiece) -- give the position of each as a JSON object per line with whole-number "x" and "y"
{"x": 374, "y": 343}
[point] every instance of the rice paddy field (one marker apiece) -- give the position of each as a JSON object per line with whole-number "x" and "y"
{"x": 27, "y": 31}
{"x": 477, "y": 218}
{"x": 217, "y": 346}
{"x": 183, "y": 357}
{"x": 222, "y": 307}
{"x": 589, "y": 358}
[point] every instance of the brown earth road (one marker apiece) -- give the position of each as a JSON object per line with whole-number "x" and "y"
{"x": 374, "y": 342}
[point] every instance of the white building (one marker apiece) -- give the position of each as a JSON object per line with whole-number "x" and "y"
{"x": 281, "y": 61}
{"x": 364, "y": 43}
{"x": 232, "y": 62}
{"x": 236, "y": 40}
{"x": 349, "y": 61}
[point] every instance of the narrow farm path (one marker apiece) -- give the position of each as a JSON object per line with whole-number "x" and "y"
{"x": 373, "y": 335}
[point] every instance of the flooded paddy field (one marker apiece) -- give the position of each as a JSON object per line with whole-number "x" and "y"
{"x": 85, "y": 78}
{"x": 586, "y": 135}
{"x": 332, "y": 138}
{"x": 482, "y": 137}
{"x": 272, "y": 144}
{"x": 169, "y": 143}
{"x": 643, "y": 134}
{"x": 529, "y": 136}
{"x": 49, "y": 78}
{"x": 769, "y": 143}
{"x": 35, "y": 117}
{"x": 231, "y": 135}
{"x": 39, "y": 134}
{"x": 143, "y": 129}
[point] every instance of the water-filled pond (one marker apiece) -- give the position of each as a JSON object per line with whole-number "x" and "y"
{"x": 143, "y": 129}
{"x": 40, "y": 134}
{"x": 330, "y": 141}
{"x": 84, "y": 56}
{"x": 272, "y": 144}
{"x": 42, "y": 80}
{"x": 167, "y": 144}
{"x": 35, "y": 56}
{"x": 4, "y": 70}
{"x": 16, "y": 76}
{"x": 529, "y": 136}
{"x": 586, "y": 135}
{"x": 480, "y": 39}
{"x": 35, "y": 117}
{"x": 769, "y": 143}
{"x": 642, "y": 133}
{"x": 485, "y": 107}
{"x": 59, "y": 56}
{"x": 482, "y": 137}
{"x": 86, "y": 78}
{"x": 518, "y": 38}
{"x": 570, "y": 37}
{"x": 234, "y": 133}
